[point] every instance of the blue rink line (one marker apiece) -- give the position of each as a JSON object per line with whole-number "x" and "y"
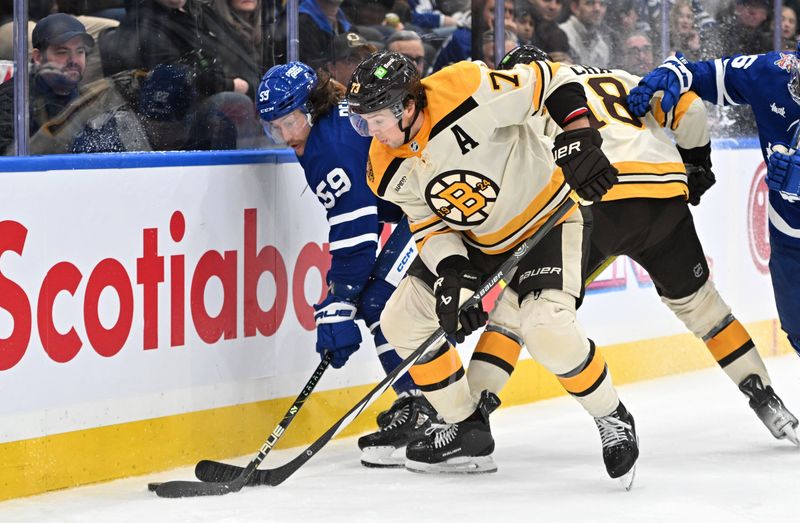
{"x": 67, "y": 162}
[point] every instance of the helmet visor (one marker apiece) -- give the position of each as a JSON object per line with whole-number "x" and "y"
{"x": 370, "y": 124}
{"x": 283, "y": 129}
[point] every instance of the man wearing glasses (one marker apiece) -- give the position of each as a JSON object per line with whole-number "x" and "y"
{"x": 409, "y": 44}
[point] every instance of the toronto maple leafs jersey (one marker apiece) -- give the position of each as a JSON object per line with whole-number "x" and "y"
{"x": 649, "y": 165}
{"x": 762, "y": 82}
{"x": 476, "y": 173}
{"x": 334, "y": 162}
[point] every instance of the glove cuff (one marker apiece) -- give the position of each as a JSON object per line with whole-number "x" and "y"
{"x": 589, "y": 133}
{"x": 697, "y": 155}
{"x": 453, "y": 266}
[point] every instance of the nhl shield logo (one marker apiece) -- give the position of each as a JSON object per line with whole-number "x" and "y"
{"x": 414, "y": 146}
{"x": 462, "y": 197}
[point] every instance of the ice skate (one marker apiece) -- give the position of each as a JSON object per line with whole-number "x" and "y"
{"x": 406, "y": 421}
{"x": 770, "y": 409}
{"x": 457, "y": 448}
{"x": 620, "y": 445}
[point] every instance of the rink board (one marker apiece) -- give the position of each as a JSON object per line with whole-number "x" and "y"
{"x": 156, "y": 310}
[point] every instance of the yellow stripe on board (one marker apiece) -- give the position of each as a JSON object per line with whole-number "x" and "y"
{"x": 88, "y": 456}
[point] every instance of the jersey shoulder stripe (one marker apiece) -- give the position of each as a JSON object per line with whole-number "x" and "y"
{"x": 381, "y": 168}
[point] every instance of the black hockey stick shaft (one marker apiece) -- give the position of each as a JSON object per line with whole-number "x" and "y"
{"x": 181, "y": 489}
{"x": 215, "y": 471}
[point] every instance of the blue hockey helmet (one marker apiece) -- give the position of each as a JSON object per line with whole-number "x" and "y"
{"x": 283, "y": 89}
{"x": 523, "y": 54}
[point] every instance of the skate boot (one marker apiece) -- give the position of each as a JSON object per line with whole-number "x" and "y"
{"x": 620, "y": 445}
{"x": 464, "y": 447}
{"x": 770, "y": 409}
{"x": 408, "y": 418}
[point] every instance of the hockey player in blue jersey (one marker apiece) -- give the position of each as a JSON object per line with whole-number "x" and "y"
{"x": 770, "y": 84}
{"x": 307, "y": 113}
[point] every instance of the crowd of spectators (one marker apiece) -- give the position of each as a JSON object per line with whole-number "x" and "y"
{"x": 121, "y": 75}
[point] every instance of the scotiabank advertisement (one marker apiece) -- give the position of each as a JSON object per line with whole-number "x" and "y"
{"x": 129, "y": 293}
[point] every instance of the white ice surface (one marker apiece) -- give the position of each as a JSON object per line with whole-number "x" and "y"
{"x": 704, "y": 457}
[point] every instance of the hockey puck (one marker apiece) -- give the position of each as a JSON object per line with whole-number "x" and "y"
{"x": 153, "y": 486}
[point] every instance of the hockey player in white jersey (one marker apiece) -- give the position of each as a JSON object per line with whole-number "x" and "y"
{"x": 454, "y": 151}
{"x": 646, "y": 217}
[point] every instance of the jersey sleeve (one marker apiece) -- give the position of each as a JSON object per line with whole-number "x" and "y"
{"x": 688, "y": 120}
{"x": 352, "y": 213}
{"x": 731, "y": 80}
{"x": 516, "y": 95}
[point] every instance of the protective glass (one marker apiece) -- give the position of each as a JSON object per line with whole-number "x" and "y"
{"x": 281, "y": 128}
{"x": 371, "y": 123}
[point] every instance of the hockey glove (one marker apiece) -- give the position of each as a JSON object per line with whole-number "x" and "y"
{"x": 457, "y": 282}
{"x": 699, "y": 176}
{"x": 783, "y": 172}
{"x": 337, "y": 331}
{"x": 586, "y": 168}
{"x": 674, "y": 77}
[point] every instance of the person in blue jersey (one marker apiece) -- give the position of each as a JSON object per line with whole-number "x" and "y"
{"x": 307, "y": 112}
{"x": 770, "y": 84}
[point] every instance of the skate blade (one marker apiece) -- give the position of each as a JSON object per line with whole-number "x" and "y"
{"x": 383, "y": 457}
{"x": 463, "y": 465}
{"x": 627, "y": 480}
{"x": 788, "y": 432}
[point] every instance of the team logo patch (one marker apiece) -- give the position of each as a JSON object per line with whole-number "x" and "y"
{"x": 370, "y": 172}
{"x": 785, "y": 61}
{"x": 462, "y": 197}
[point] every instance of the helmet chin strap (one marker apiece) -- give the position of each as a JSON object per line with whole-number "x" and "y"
{"x": 407, "y": 130}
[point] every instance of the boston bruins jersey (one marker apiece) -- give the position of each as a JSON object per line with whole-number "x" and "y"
{"x": 649, "y": 164}
{"x": 475, "y": 173}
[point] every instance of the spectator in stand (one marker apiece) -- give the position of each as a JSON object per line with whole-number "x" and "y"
{"x": 188, "y": 32}
{"x": 683, "y": 33}
{"x": 154, "y": 117}
{"x": 548, "y": 10}
{"x": 38, "y": 9}
{"x": 427, "y": 15}
{"x": 526, "y": 26}
{"x": 584, "y": 28}
{"x": 60, "y": 43}
{"x": 321, "y": 21}
{"x": 745, "y": 27}
{"x": 192, "y": 33}
{"x": 788, "y": 28}
{"x": 459, "y": 45}
{"x": 349, "y": 50}
{"x": 409, "y": 43}
{"x": 244, "y": 16}
{"x": 129, "y": 111}
{"x": 623, "y": 17}
{"x": 554, "y": 42}
{"x": 638, "y": 52}
{"x": 511, "y": 41}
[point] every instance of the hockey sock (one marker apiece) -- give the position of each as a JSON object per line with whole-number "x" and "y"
{"x": 733, "y": 349}
{"x": 493, "y": 360}
{"x": 390, "y": 360}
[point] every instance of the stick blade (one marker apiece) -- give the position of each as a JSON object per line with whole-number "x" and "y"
{"x": 191, "y": 489}
{"x": 215, "y": 471}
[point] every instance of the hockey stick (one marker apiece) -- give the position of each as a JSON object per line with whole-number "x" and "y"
{"x": 214, "y": 471}
{"x": 182, "y": 489}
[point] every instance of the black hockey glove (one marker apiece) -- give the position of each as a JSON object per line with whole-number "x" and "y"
{"x": 585, "y": 166}
{"x": 457, "y": 282}
{"x": 699, "y": 176}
